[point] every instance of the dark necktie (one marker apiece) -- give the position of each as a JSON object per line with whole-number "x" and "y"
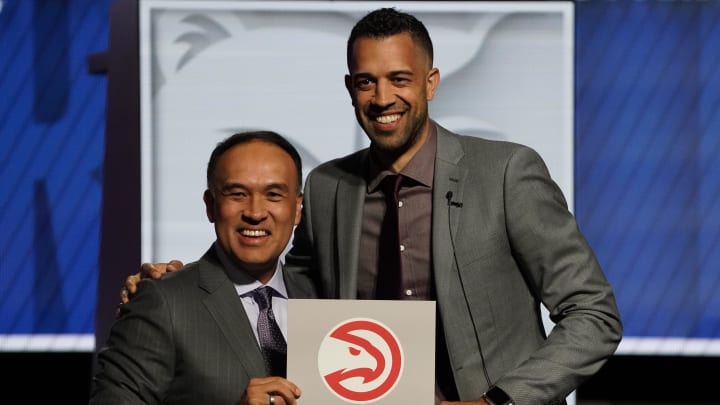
{"x": 272, "y": 342}
{"x": 389, "y": 271}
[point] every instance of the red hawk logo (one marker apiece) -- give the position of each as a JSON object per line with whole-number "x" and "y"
{"x": 360, "y": 360}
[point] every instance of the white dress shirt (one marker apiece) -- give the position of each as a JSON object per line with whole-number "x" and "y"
{"x": 245, "y": 285}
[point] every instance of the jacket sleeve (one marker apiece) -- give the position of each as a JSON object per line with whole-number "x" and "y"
{"x": 136, "y": 365}
{"x": 300, "y": 260}
{"x": 565, "y": 275}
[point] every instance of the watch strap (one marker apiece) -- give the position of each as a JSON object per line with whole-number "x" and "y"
{"x": 496, "y": 396}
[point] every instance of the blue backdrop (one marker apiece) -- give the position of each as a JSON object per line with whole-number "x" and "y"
{"x": 52, "y": 127}
{"x": 647, "y": 142}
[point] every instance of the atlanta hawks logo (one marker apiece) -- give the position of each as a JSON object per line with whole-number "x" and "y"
{"x": 360, "y": 360}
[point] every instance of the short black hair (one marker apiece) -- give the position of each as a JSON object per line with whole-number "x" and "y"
{"x": 386, "y": 22}
{"x": 245, "y": 137}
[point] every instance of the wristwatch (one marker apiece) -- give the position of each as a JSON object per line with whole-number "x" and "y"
{"x": 496, "y": 396}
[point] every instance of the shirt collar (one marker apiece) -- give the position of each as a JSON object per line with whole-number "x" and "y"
{"x": 420, "y": 168}
{"x": 244, "y": 283}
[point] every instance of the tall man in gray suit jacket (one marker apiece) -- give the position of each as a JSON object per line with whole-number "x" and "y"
{"x": 484, "y": 230}
{"x": 191, "y": 338}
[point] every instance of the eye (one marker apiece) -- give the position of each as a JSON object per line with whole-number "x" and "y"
{"x": 363, "y": 83}
{"x": 274, "y": 196}
{"x": 235, "y": 194}
{"x": 400, "y": 80}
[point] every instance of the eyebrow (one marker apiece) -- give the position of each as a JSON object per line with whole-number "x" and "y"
{"x": 392, "y": 73}
{"x": 270, "y": 186}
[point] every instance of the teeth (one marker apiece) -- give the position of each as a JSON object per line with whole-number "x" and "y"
{"x": 254, "y": 232}
{"x": 386, "y": 119}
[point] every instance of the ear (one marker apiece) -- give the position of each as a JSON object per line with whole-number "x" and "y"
{"x": 209, "y": 205}
{"x": 433, "y": 79}
{"x": 298, "y": 208}
{"x": 349, "y": 88}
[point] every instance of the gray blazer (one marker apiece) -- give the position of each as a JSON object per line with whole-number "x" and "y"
{"x": 512, "y": 246}
{"x": 185, "y": 340}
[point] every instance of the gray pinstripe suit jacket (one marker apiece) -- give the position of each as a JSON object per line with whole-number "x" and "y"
{"x": 184, "y": 340}
{"x": 516, "y": 246}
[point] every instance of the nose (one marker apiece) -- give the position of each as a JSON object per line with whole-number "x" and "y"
{"x": 255, "y": 210}
{"x": 383, "y": 93}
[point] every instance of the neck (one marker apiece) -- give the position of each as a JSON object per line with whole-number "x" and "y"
{"x": 397, "y": 160}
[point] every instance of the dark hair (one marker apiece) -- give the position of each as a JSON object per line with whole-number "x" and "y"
{"x": 386, "y": 22}
{"x": 261, "y": 136}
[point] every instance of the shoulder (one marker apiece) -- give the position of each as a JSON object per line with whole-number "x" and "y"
{"x": 348, "y": 164}
{"x": 184, "y": 272}
{"x": 482, "y": 152}
{"x": 175, "y": 293}
{"x": 447, "y": 140}
{"x": 493, "y": 147}
{"x": 349, "y": 168}
{"x": 176, "y": 282}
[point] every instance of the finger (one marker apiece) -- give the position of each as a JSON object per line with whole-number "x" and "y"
{"x": 276, "y": 400}
{"x": 124, "y": 295}
{"x": 174, "y": 265}
{"x": 131, "y": 283}
{"x": 284, "y": 392}
{"x": 284, "y": 399}
{"x": 157, "y": 270}
{"x": 152, "y": 270}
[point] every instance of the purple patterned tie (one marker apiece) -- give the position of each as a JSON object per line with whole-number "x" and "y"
{"x": 272, "y": 342}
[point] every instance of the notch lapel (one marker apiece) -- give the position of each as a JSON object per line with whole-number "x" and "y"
{"x": 226, "y": 308}
{"x": 349, "y": 202}
{"x": 449, "y": 177}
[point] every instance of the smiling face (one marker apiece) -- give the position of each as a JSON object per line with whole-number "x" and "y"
{"x": 390, "y": 83}
{"x": 254, "y": 201}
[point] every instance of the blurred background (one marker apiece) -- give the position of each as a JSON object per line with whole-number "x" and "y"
{"x": 646, "y": 188}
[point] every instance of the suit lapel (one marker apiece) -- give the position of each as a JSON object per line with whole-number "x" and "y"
{"x": 349, "y": 202}
{"x": 298, "y": 286}
{"x": 449, "y": 178}
{"x": 450, "y": 175}
{"x": 226, "y": 308}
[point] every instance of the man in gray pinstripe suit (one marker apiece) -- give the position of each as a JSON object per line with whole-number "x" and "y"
{"x": 191, "y": 339}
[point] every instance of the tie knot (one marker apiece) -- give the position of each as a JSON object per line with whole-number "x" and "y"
{"x": 263, "y": 296}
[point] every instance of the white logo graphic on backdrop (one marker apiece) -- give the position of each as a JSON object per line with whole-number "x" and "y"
{"x": 211, "y": 71}
{"x": 360, "y": 360}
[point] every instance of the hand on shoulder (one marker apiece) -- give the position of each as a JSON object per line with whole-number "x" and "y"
{"x": 151, "y": 270}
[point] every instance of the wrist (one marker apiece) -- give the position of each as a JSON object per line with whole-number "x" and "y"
{"x": 496, "y": 396}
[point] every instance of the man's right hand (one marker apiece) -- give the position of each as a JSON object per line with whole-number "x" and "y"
{"x": 152, "y": 270}
{"x": 270, "y": 391}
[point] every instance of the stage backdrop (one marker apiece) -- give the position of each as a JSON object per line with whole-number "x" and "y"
{"x": 211, "y": 69}
{"x": 635, "y": 157}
